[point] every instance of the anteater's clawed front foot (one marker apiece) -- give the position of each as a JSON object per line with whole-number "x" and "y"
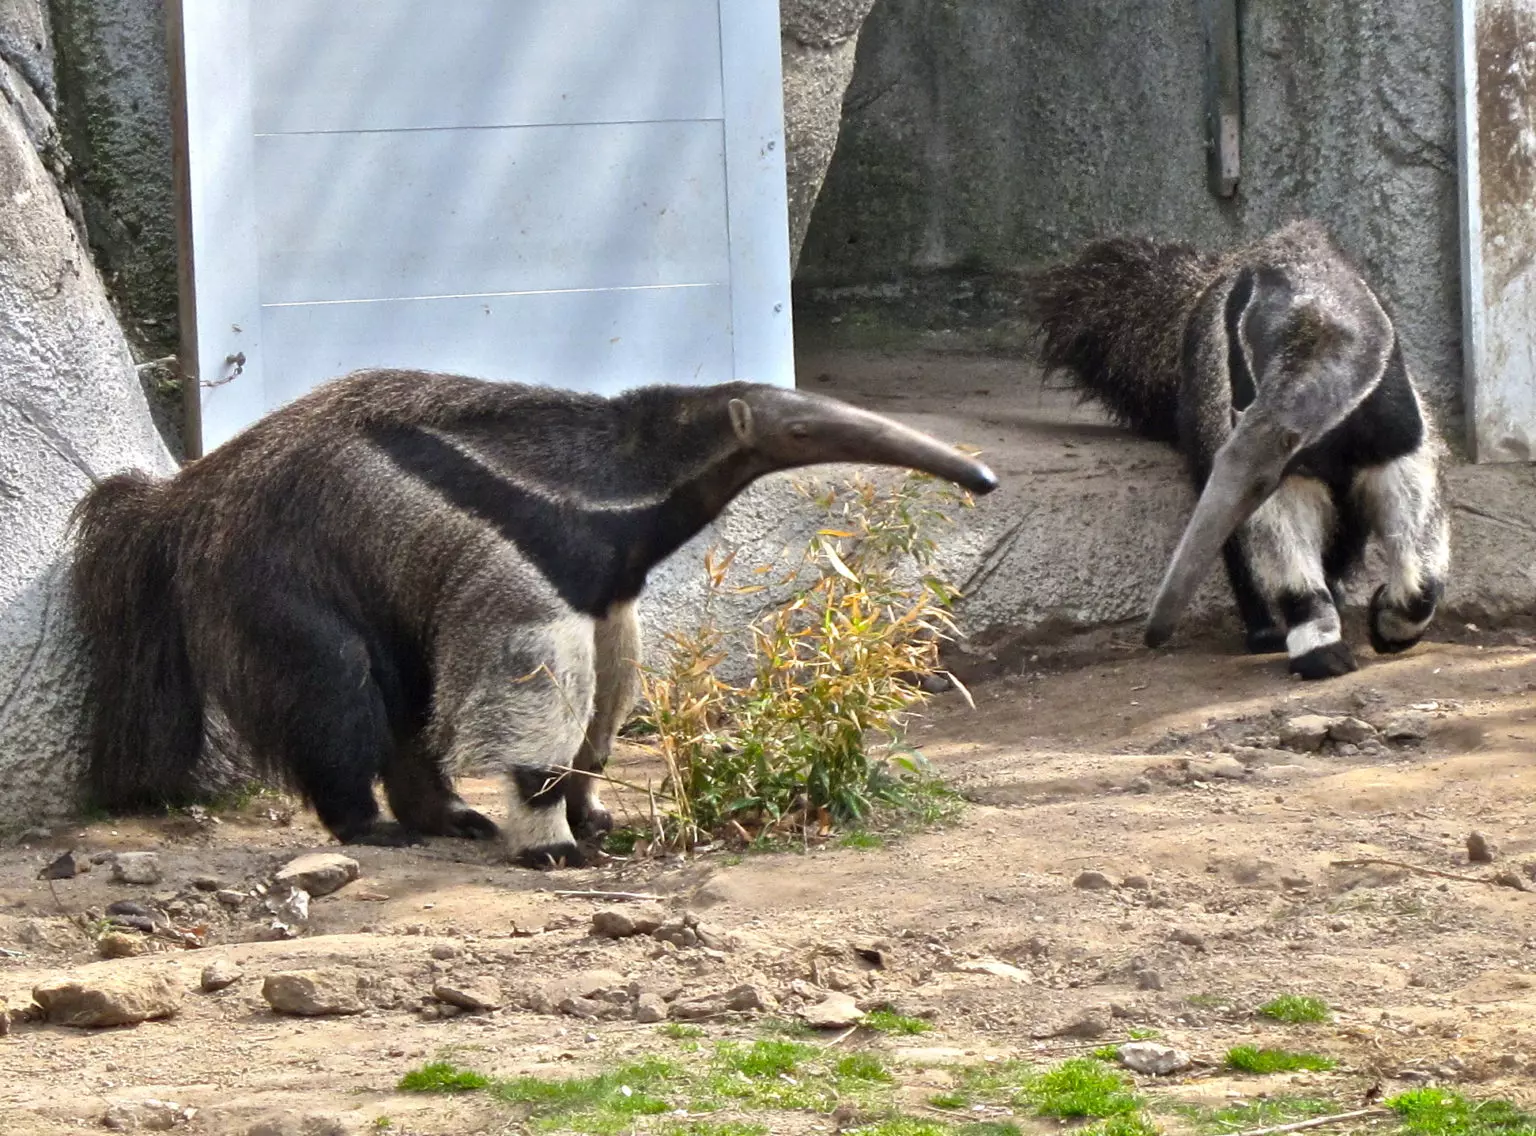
{"x": 548, "y": 856}
{"x": 589, "y": 821}
{"x": 1328, "y": 661}
{"x": 1394, "y": 629}
{"x": 1264, "y": 641}
{"x": 379, "y": 834}
{"x": 467, "y": 824}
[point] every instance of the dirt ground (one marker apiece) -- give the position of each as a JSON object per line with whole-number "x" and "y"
{"x": 1164, "y": 772}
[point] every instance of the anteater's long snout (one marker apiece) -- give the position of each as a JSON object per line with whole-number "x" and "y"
{"x": 850, "y": 434}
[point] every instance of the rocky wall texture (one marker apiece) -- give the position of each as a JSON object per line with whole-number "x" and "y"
{"x": 1001, "y": 133}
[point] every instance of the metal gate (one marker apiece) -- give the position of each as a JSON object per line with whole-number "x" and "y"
{"x": 582, "y": 193}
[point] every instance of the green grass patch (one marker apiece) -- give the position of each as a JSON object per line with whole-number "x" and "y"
{"x": 1081, "y": 1087}
{"x": 862, "y": 839}
{"x": 621, "y": 841}
{"x": 678, "y": 1031}
{"x": 866, "y": 1067}
{"x": 889, "y": 1021}
{"x": 1296, "y": 1009}
{"x": 1250, "y": 1059}
{"x": 713, "y": 1128}
{"x": 1139, "y": 1033}
{"x": 1440, "y": 1112}
{"x": 1126, "y": 1124}
{"x": 1267, "y": 1113}
{"x": 442, "y": 1077}
{"x": 787, "y": 1027}
{"x": 1109, "y": 1054}
{"x": 603, "y": 1103}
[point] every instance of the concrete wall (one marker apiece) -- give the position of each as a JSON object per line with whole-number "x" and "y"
{"x": 1002, "y": 132}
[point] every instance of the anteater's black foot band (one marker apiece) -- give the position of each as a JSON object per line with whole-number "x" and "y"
{"x": 1265, "y": 641}
{"x": 1395, "y": 629}
{"x": 547, "y": 856}
{"x": 1328, "y": 661}
{"x": 380, "y": 834}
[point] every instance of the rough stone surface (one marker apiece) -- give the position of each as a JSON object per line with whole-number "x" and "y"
{"x": 318, "y": 873}
{"x": 1093, "y": 881}
{"x": 1003, "y": 133}
{"x": 1479, "y": 850}
{"x": 650, "y": 1007}
{"x": 1306, "y": 732}
{"x": 1153, "y": 1058}
{"x": 312, "y": 993}
{"x": 141, "y": 868}
{"x": 835, "y": 1011}
{"x": 98, "y": 1000}
{"x": 71, "y": 408}
{"x": 1350, "y": 731}
{"x": 220, "y": 974}
{"x": 474, "y": 994}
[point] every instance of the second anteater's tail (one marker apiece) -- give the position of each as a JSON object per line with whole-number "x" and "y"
{"x": 1114, "y": 319}
{"x": 146, "y": 719}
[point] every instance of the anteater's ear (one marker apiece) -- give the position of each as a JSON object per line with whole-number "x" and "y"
{"x": 741, "y": 420}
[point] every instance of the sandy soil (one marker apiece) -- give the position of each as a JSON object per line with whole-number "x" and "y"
{"x": 1102, "y": 758}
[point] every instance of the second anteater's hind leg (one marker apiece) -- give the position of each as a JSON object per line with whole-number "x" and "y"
{"x": 617, "y": 669}
{"x": 1283, "y": 544}
{"x": 1403, "y": 503}
{"x": 316, "y": 712}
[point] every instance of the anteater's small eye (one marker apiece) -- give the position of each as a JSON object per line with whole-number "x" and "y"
{"x": 798, "y": 430}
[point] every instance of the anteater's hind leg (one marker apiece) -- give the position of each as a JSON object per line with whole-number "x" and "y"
{"x": 617, "y": 659}
{"x": 317, "y": 712}
{"x": 1283, "y": 545}
{"x": 1403, "y": 503}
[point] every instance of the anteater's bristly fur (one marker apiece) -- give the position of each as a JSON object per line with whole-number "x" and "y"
{"x": 1278, "y": 374}
{"x": 1113, "y": 318}
{"x": 402, "y": 574}
{"x": 145, "y": 713}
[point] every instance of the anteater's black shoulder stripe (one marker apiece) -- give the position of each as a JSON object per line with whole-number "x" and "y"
{"x": 1239, "y": 374}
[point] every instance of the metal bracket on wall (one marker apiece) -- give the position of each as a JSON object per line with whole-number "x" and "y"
{"x": 1223, "y": 95}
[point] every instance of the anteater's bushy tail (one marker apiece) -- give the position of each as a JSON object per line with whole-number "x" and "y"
{"x": 1114, "y": 318}
{"x": 146, "y": 717}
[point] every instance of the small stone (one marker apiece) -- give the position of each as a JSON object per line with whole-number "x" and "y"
{"x": 318, "y": 873}
{"x": 207, "y": 883}
{"x": 1413, "y": 727}
{"x": 219, "y": 974}
{"x": 1479, "y": 851}
{"x": 108, "y": 999}
{"x": 34, "y": 835}
{"x": 475, "y": 994}
{"x": 1351, "y": 731}
{"x": 1223, "y": 766}
{"x": 229, "y": 897}
{"x": 611, "y": 923}
{"x": 1306, "y": 733}
{"x": 444, "y": 951}
{"x": 1188, "y": 937}
{"x": 1092, "y": 881}
{"x": 835, "y": 1011}
{"x": 1149, "y": 980}
{"x": 594, "y": 1009}
{"x": 312, "y": 993}
{"x": 1153, "y": 1059}
{"x": 66, "y": 867}
{"x": 141, "y": 868}
{"x": 650, "y": 1008}
{"x": 1136, "y": 883}
{"x": 290, "y": 908}
{"x": 1087, "y": 1025}
{"x": 121, "y": 945}
{"x": 1510, "y": 879}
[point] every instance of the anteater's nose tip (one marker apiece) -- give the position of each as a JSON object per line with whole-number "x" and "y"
{"x": 983, "y": 481}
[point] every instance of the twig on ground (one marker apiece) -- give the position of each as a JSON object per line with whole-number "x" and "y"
{"x": 842, "y": 1037}
{"x": 619, "y": 895}
{"x": 1371, "y": 860}
{"x": 1316, "y": 1122}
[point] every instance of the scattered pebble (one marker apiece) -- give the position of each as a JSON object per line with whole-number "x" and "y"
{"x": 1092, "y": 881}
{"x": 141, "y": 868}
{"x": 66, "y": 867}
{"x": 318, "y": 873}
{"x": 1154, "y": 1059}
{"x": 1188, "y": 937}
{"x": 1479, "y": 851}
{"x": 474, "y": 994}
{"x": 650, "y": 1007}
{"x": 1306, "y": 733}
{"x": 121, "y": 944}
{"x": 219, "y": 974}
{"x": 835, "y": 1011}
{"x": 1350, "y": 731}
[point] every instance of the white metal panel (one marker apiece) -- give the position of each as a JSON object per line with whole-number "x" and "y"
{"x": 448, "y": 212}
{"x": 408, "y": 64}
{"x": 587, "y": 193}
{"x": 604, "y": 341}
{"x": 1497, "y": 72}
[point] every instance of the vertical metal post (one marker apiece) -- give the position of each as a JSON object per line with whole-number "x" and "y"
{"x": 1223, "y": 95}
